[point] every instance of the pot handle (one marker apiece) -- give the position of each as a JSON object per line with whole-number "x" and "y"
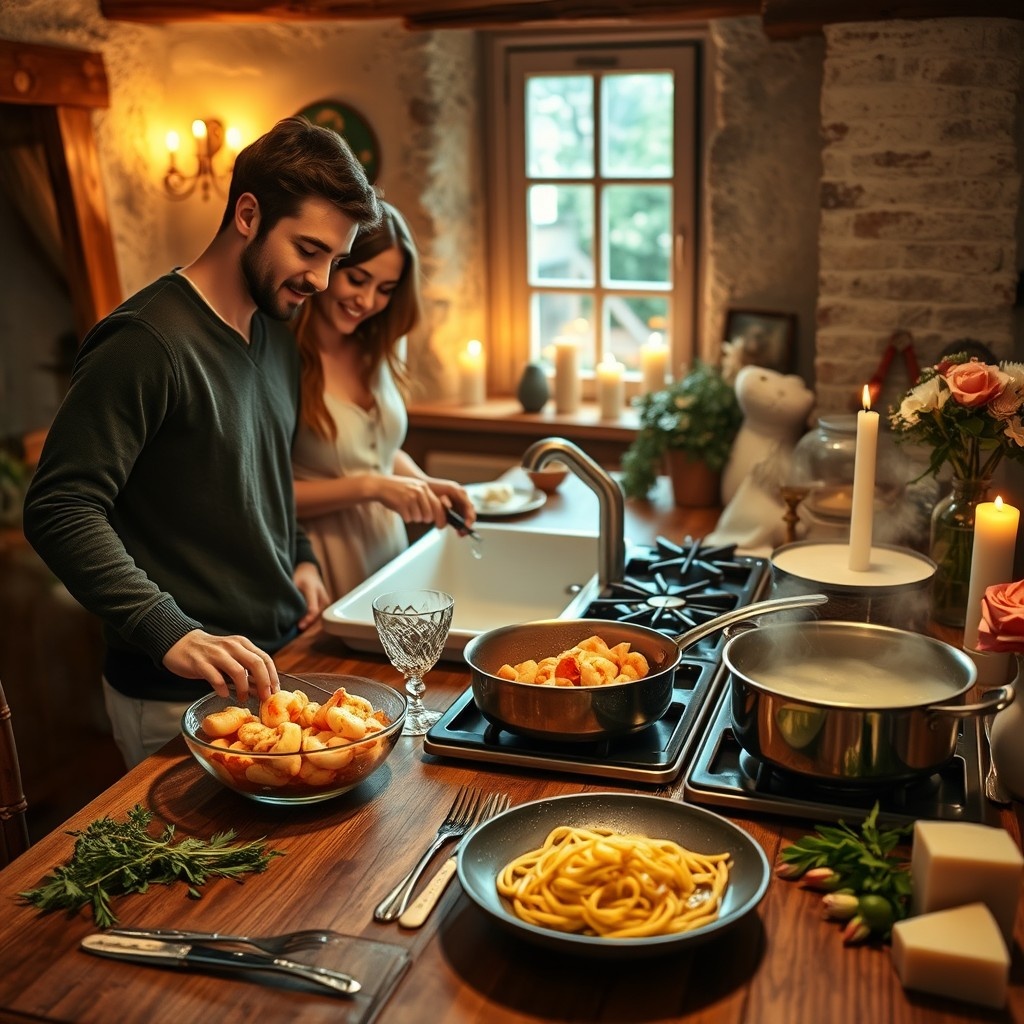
{"x": 991, "y": 702}
{"x": 775, "y": 604}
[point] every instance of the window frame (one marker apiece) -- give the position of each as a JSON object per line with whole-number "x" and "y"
{"x": 508, "y": 59}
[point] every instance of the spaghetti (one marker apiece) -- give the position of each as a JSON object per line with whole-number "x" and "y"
{"x": 601, "y": 882}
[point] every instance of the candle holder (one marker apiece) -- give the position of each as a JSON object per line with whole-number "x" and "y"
{"x": 892, "y": 591}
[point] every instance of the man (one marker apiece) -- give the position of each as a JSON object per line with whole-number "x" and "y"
{"x": 163, "y": 495}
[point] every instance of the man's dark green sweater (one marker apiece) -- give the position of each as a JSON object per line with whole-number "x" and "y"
{"x": 163, "y": 497}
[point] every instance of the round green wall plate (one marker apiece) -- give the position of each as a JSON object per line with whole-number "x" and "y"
{"x": 352, "y": 127}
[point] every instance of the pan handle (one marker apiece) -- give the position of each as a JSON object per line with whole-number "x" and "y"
{"x": 775, "y": 604}
{"x": 991, "y": 702}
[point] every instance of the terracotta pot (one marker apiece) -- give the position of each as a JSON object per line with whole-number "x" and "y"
{"x": 693, "y": 484}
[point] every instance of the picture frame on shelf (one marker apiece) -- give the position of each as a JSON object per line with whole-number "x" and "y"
{"x": 762, "y": 337}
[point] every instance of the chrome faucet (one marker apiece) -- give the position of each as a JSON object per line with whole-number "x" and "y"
{"x": 611, "y": 552}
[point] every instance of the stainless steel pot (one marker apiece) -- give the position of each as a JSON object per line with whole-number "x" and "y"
{"x": 588, "y": 713}
{"x": 850, "y": 702}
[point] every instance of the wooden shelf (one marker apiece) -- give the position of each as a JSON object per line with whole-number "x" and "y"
{"x": 500, "y": 427}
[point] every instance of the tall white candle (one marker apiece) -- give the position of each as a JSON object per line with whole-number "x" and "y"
{"x": 862, "y": 512}
{"x": 567, "y": 375}
{"x": 611, "y": 388}
{"x": 472, "y": 381}
{"x": 653, "y": 363}
{"x": 995, "y": 544}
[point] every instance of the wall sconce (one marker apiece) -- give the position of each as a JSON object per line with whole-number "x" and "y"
{"x": 210, "y": 138}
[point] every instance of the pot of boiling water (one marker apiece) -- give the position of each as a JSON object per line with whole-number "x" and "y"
{"x": 851, "y": 702}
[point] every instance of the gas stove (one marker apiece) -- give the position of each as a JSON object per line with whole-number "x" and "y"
{"x": 671, "y": 588}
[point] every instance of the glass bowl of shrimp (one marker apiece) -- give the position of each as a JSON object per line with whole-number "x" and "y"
{"x": 319, "y": 736}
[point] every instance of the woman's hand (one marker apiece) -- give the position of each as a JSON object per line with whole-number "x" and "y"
{"x": 413, "y": 498}
{"x": 311, "y": 585}
{"x": 455, "y": 496}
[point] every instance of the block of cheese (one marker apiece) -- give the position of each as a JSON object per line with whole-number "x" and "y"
{"x": 957, "y": 953}
{"x": 958, "y": 862}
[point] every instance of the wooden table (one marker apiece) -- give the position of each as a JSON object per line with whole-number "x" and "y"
{"x": 782, "y": 965}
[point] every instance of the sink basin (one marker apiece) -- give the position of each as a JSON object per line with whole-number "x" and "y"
{"x": 523, "y": 575}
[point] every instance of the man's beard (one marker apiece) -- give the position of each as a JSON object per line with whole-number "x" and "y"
{"x": 259, "y": 278}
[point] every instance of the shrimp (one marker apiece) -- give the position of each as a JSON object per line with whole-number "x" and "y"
{"x": 257, "y": 736}
{"x": 344, "y": 723}
{"x": 226, "y": 722}
{"x": 283, "y": 706}
{"x": 325, "y": 750}
{"x": 596, "y": 671}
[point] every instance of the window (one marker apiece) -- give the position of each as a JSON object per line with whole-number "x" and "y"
{"x": 594, "y": 169}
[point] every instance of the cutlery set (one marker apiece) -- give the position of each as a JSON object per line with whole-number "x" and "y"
{"x": 180, "y": 948}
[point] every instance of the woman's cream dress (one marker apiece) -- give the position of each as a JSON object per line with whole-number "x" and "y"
{"x": 353, "y": 543}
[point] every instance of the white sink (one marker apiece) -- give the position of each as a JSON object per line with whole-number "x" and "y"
{"x": 523, "y": 575}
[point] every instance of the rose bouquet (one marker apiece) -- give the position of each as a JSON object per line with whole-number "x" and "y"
{"x": 1001, "y": 628}
{"x": 967, "y": 412}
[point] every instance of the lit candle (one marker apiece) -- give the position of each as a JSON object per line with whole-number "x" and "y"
{"x": 472, "y": 390}
{"x": 862, "y": 510}
{"x": 567, "y": 375}
{"x": 611, "y": 387}
{"x": 653, "y": 363}
{"x": 995, "y": 544}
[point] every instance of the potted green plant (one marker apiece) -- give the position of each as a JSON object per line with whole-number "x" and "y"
{"x": 693, "y": 421}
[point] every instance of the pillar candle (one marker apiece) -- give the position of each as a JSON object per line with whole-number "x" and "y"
{"x": 862, "y": 512}
{"x": 995, "y": 544}
{"x": 472, "y": 388}
{"x": 653, "y": 363}
{"x": 567, "y": 375}
{"x": 611, "y": 388}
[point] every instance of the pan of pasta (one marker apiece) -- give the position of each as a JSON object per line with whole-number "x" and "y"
{"x": 615, "y": 874}
{"x": 583, "y": 680}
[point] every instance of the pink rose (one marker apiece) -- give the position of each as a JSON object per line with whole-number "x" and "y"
{"x": 1002, "y": 618}
{"x": 975, "y": 383}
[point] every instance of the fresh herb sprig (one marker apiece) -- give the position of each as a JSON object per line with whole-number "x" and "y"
{"x": 113, "y": 858}
{"x": 867, "y": 878}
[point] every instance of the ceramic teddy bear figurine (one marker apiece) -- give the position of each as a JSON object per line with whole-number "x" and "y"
{"x": 775, "y": 409}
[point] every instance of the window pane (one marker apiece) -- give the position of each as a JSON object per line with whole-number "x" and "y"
{"x": 561, "y": 240}
{"x": 638, "y": 233}
{"x": 629, "y": 321}
{"x": 636, "y": 125}
{"x": 554, "y": 314}
{"x": 560, "y": 126}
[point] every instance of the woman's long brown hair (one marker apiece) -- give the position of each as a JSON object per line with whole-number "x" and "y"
{"x": 377, "y": 336}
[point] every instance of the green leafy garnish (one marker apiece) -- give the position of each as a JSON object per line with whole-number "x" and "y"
{"x": 865, "y": 865}
{"x": 114, "y": 858}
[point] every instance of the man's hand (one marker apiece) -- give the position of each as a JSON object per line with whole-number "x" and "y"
{"x": 311, "y": 586}
{"x": 221, "y": 660}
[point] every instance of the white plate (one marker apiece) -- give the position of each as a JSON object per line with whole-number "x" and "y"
{"x": 490, "y": 846}
{"x": 521, "y": 500}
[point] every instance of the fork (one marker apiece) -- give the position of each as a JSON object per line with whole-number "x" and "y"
{"x": 457, "y": 822}
{"x": 420, "y": 908}
{"x": 288, "y": 942}
{"x": 993, "y": 787}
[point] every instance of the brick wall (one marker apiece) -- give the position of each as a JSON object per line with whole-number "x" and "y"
{"x": 920, "y": 194}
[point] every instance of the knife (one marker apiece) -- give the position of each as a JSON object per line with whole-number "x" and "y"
{"x": 181, "y": 954}
{"x": 454, "y": 519}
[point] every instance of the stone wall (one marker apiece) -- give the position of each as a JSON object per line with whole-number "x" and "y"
{"x": 920, "y": 194}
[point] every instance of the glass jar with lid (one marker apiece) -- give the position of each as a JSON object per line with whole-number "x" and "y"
{"x": 821, "y": 472}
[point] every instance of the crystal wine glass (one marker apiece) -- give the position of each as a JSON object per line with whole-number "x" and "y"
{"x": 413, "y": 626}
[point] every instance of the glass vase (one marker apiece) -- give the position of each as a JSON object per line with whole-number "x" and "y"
{"x": 952, "y": 544}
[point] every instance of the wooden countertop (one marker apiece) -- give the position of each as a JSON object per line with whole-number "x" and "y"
{"x": 782, "y": 965}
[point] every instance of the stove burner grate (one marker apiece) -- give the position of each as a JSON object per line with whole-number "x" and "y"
{"x": 673, "y": 588}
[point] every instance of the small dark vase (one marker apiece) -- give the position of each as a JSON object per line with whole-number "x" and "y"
{"x": 533, "y": 392}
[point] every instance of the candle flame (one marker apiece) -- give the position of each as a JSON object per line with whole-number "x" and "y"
{"x": 474, "y": 347}
{"x": 866, "y": 398}
{"x": 998, "y": 503}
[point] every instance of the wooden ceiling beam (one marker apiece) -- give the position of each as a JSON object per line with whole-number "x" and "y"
{"x": 782, "y": 18}
{"x": 30, "y": 73}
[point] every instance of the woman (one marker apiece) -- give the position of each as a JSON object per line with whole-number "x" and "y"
{"x": 355, "y": 489}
